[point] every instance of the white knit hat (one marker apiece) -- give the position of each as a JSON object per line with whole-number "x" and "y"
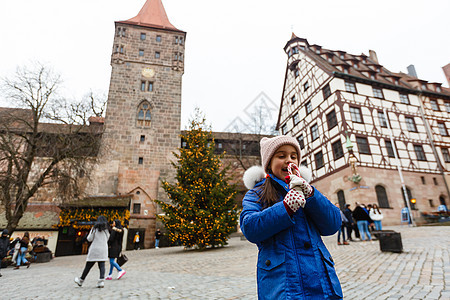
{"x": 270, "y": 145}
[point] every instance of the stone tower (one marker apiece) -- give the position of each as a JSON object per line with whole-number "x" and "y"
{"x": 143, "y": 115}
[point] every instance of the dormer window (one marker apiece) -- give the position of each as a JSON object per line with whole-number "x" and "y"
{"x": 438, "y": 89}
{"x": 294, "y": 50}
{"x": 396, "y": 81}
{"x": 364, "y": 61}
{"x": 355, "y": 65}
{"x": 318, "y": 51}
{"x": 345, "y": 69}
{"x": 341, "y": 56}
{"x": 302, "y": 47}
{"x": 424, "y": 86}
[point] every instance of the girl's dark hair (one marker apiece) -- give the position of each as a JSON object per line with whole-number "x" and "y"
{"x": 269, "y": 193}
{"x": 101, "y": 223}
{"x": 118, "y": 224}
{"x": 375, "y": 206}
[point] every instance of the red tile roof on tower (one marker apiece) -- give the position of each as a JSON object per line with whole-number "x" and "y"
{"x": 152, "y": 14}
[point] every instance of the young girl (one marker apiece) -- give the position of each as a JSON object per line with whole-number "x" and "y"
{"x": 115, "y": 248}
{"x": 98, "y": 251}
{"x": 376, "y": 215}
{"x": 293, "y": 262}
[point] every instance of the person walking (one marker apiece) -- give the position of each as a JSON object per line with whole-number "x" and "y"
{"x": 98, "y": 251}
{"x": 362, "y": 219}
{"x": 115, "y": 248}
{"x": 351, "y": 222}
{"x": 157, "y": 238}
{"x": 376, "y": 215}
{"x": 23, "y": 250}
{"x": 136, "y": 241}
{"x": 4, "y": 246}
{"x": 342, "y": 229}
{"x": 286, "y": 222}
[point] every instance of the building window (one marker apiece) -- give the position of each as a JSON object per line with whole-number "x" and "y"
{"x": 390, "y": 149}
{"x": 296, "y": 73}
{"x": 418, "y": 149}
{"x": 301, "y": 141}
{"x": 284, "y": 129}
{"x": 296, "y": 119}
{"x": 382, "y": 198}
{"x": 435, "y": 181}
{"x": 430, "y": 201}
{"x": 144, "y": 115}
{"x": 350, "y": 87}
{"x": 442, "y": 129}
{"x": 150, "y": 87}
{"x": 141, "y": 52}
{"x": 341, "y": 199}
{"x": 447, "y": 106}
{"x": 143, "y": 36}
{"x": 446, "y": 155}
{"x": 337, "y": 150}
{"x": 410, "y": 124}
{"x": 314, "y": 132}
{"x": 304, "y": 163}
{"x": 141, "y": 160}
{"x": 319, "y": 160}
{"x": 434, "y": 105}
{"x": 326, "y": 91}
{"x": 305, "y": 86}
{"x": 355, "y": 113}
{"x": 363, "y": 145}
{"x": 404, "y": 99}
{"x": 157, "y": 55}
{"x": 382, "y": 119}
{"x": 294, "y": 50}
{"x": 219, "y": 145}
{"x": 331, "y": 119}
{"x": 136, "y": 208}
{"x": 121, "y": 49}
{"x": 422, "y": 178}
{"x": 142, "y": 139}
{"x": 293, "y": 99}
{"x": 143, "y": 86}
{"x": 308, "y": 107}
{"x": 175, "y": 56}
{"x": 158, "y": 38}
{"x": 377, "y": 93}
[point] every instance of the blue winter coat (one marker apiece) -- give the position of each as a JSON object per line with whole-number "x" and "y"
{"x": 293, "y": 262}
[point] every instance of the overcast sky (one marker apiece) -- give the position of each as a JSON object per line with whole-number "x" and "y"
{"x": 234, "y": 49}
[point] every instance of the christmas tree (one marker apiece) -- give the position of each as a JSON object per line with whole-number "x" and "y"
{"x": 202, "y": 212}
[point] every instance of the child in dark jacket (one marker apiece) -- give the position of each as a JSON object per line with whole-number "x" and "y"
{"x": 286, "y": 222}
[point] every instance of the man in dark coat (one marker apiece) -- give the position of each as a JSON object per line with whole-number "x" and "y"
{"x": 4, "y": 246}
{"x": 351, "y": 222}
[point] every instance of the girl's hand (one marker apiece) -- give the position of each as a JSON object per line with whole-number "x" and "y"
{"x": 300, "y": 184}
{"x": 294, "y": 199}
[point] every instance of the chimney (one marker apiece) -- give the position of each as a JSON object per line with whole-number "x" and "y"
{"x": 447, "y": 73}
{"x": 373, "y": 56}
{"x": 412, "y": 71}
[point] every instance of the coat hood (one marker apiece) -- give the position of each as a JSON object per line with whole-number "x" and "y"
{"x": 255, "y": 174}
{"x": 5, "y": 232}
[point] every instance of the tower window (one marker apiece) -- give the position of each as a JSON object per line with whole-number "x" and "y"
{"x": 150, "y": 86}
{"x": 141, "y": 52}
{"x": 175, "y": 56}
{"x": 157, "y": 55}
{"x": 142, "y": 138}
{"x": 116, "y": 48}
{"x": 143, "y": 36}
{"x": 176, "y": 40}
{"x": 158, "y": 38}
{"x": 121, "y": 49}
{"x": 141, "y": 160}
{"x": 181, "y": 40}
{"x": 144, "y": 116}
{"x": 143, "y": 86}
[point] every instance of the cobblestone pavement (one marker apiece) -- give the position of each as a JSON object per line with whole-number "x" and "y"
{"x": 422, "y": 271}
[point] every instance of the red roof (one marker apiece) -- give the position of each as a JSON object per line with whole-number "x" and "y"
{"x": 152, "y": 14}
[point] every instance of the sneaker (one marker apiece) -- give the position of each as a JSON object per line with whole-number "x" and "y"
{"x": 346, "y": 243}
{"x": 339, "y": 243}
{"x": 101, "y": 283}
{"x": 109, "y": 277}
{"x": 79, "y": 281}
{"x": 121, "y": 273}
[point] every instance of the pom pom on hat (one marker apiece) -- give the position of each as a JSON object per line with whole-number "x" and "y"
{"x": 270, "y": 145}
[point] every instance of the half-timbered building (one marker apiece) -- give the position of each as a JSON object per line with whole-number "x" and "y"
{"x": 342, "y": 106}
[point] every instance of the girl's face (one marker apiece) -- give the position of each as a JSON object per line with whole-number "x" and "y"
{"x": 284, "y": 155}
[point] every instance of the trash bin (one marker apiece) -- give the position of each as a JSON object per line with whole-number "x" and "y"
{"x": 390, "y": 241}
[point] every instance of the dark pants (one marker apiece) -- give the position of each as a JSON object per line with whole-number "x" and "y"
{"x": 349, "y": 231}
{"x": 90, "y": 264}
{"x": 355, "y": 228}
